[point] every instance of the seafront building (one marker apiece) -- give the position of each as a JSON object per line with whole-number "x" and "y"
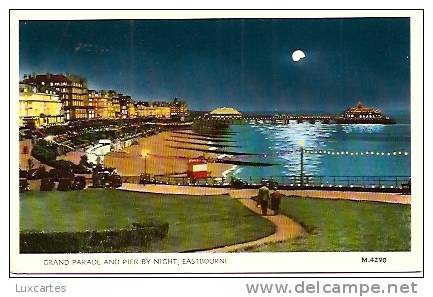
{"x": 71, "y": 89}
{"x": 178, "y": 109}
{"x": 149, "y": 110}
{"x": 125, "y": 101}
{"x": 37, "y": 108}
{"x": 102, "y": 103}
{"x": 78, "y": 103}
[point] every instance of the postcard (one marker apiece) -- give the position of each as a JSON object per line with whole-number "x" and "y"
{"x": 216, "y": 142}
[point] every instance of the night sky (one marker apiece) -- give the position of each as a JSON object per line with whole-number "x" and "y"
{"x": 245, "y": 64}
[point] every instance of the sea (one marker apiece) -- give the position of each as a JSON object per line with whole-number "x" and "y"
{"x": 329, "y": 149}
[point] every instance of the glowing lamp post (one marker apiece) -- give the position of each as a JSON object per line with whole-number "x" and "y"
{"x": 144, "y": 154}
{"x": 301, "y": 145}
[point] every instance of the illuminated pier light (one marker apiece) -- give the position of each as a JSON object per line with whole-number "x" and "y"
{"x": 351, "y": 154}
{"x": 389, "y": 154}
{"x": 366, "y": 153}
{"x": 406, "y": 153}
{"x": 340, "y": 186}
{"x": 382, "y": 153}
{"x": 399, "y": 153}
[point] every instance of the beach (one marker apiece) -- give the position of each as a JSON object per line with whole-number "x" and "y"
{"x": 162, "y": 158}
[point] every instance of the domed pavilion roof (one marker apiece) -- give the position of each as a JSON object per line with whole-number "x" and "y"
{"x": 225, "y": 111}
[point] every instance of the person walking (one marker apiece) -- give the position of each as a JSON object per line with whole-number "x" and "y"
{"x": 264, "y": 199}
{"x": 275, "y": 201}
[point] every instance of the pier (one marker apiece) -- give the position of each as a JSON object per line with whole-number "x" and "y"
{"x": 286, "y": 119}
{"x": 358, "y": 114}
{"x": 267, "y": 119}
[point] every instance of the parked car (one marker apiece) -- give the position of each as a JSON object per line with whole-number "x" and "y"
{"x": 65, "y": 184}
{"x": 79, "y": 183}
{"x": 47, "y": 184}
{"x": 57, "y": 173}
{"x": 115, "y": 181}
{"x": 23, "y": 173}
{"x": 99, "y": 179}
{"x": 144, "y": 179}
{"x": 237, "y": 183}
{"x": 37, "y": 173}
{"x": 24, "y": 185}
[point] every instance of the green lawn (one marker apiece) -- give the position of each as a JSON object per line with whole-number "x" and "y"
{"x": 194, "y": 223}
{"x": 342, "y": 225}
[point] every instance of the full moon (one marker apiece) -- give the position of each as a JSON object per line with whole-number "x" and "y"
{"x": 298, "y": 55}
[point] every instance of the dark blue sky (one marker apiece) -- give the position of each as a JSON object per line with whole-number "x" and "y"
{"x": 245, "y": 64}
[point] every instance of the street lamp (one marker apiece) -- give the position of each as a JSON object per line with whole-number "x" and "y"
{"x": 145, "y": 153}
{"x": 301, "y": 145}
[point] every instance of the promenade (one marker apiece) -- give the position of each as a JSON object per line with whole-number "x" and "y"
{"x": 248, "y": 193}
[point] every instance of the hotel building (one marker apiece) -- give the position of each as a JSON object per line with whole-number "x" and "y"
{"x": 178, "y": 109}
{"x": 39, "y": 109}
{"x": 145, "y": 109}
{"x": 71, "y": 89}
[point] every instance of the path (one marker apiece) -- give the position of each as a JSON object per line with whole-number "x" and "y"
{"x": 285, "y": 229}
{"x": 176, "y": 190}
{"x": 247, "y": 193}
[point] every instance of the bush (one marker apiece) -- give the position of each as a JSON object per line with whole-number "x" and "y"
{"x": 141, "y": 234}
{"x": 47, "y": 153}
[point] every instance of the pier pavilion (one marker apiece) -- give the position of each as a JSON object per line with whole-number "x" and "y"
{"x": 225, "y": 115}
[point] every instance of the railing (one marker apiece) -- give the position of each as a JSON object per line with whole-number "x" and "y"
{"x": 365, "y": 183}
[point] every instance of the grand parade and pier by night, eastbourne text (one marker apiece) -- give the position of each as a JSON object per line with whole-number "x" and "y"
{"x": 135, "y": 261}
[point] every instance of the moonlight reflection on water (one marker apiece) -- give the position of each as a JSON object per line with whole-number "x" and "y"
{"x": 280, "y": 144}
